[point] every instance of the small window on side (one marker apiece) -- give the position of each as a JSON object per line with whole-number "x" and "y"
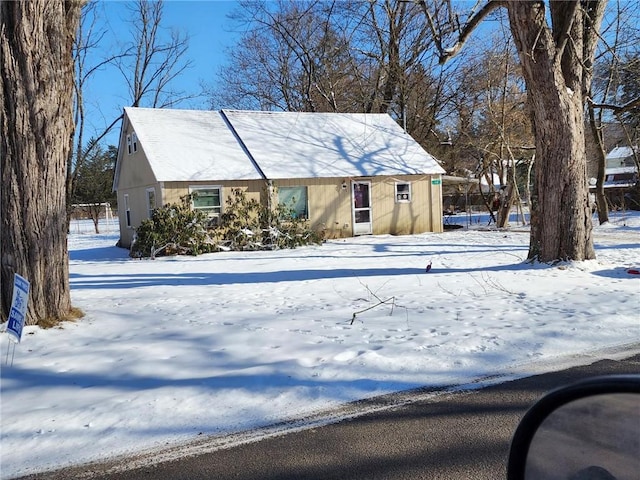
{"x": 403, "y": 192}
{"x": 151, "y": 201}
{"x": 127, "y": 210}
{"x": 129, "y": 144}
{"x": 134, "y": 141}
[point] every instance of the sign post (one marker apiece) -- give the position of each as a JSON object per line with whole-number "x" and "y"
{"x": 18, "y": 310}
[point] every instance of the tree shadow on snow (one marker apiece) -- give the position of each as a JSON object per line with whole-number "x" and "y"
{"x": 125, "y": 281}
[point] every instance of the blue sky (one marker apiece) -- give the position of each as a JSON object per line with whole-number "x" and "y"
{"x": 209, "y": 30}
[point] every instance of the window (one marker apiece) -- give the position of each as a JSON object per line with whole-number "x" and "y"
{"x": 207, "y": 200}
{"x": 134, "y": 141}
{"x": 129, "y": 144}
{"x": 151, "y": 201}
{"x": 403, "y": 192}
{"x": 294, "y": 199}
{"x": 127, "y": 210}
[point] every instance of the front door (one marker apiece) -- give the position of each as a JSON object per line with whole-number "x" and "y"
{"x": 361, "y": 192}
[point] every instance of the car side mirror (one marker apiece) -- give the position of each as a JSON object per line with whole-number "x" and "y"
{"x": 586, "y": 431}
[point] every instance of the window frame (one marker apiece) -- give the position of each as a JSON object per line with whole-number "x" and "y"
{"x": 151, "y": 198}
{"x": 305, "y": 214}
{"x": 209, "y": 211}
{"x": 127, "y": 210}
{"x": 129, "y": 145}
{"x": 402, "y": 196}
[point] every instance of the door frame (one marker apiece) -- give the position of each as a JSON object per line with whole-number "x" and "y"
{"x": 361, "y": 228}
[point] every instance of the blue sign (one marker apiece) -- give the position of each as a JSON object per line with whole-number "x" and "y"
{"x": 18, "y": 310}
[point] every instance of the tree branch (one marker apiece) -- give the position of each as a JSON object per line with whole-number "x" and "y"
{"x": 563, "y": 37}
{"x": 617, "y": 109}
{"x": 465, "y": 33}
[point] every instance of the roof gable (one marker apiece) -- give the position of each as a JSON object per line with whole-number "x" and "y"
{"x": 190, "y": 145}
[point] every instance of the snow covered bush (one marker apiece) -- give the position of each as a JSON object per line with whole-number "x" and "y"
{"x": 239, "y": 224}
{"x": 174, "y": 229}
{"x": 245, "y": 224}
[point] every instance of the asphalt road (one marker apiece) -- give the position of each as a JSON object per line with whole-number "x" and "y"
{"x": 447, "y": 436}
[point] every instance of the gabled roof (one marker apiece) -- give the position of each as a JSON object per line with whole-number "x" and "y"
{"x": 198, "y": 145}
{"x": 189, "y": 145}
{"x": 620, "y": 152}
{"x": 620, "y": 160}
{"x": 321, "y": 145}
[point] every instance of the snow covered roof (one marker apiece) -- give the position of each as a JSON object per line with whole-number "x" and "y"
{"x": 620, "y": 160}
{"x": 321, "y": 145}
{"x": 191, "y": 145}
{"x": 620, "y": 152}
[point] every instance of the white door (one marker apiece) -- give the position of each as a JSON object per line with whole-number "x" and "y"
{"x": 361, "y": 195}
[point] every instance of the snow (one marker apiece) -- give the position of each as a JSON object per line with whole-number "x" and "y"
{"x": 326, "y": 145}
{"x": 189, "y": 145}
{"x": 620, "y": 152}
{"x": 176, "y": 349}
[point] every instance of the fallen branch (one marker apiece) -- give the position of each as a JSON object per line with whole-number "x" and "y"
{"x": 381, "y": 302}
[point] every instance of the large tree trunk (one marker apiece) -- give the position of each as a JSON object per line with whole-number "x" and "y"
{"x": 554, "y": 63}
{"x": 37, "y": 126}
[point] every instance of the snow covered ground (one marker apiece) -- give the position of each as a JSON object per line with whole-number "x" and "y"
{"x": 175, "y": 348}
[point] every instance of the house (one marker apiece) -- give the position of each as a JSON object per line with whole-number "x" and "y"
{"x": 621, "y": 173}
{"x": 348, "y": 174}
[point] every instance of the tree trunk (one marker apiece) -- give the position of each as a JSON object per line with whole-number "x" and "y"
{"x": 506, "y": 202}
{"x": 602, "y": 205}
{"x": 552, "y": 63}
{"x": 37, "y": 127}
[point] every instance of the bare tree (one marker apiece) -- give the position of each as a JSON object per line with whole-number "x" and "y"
{"x": 556, "y": 59}
{"x": 88, "y": 38}
{"x": 151, "y": 63}
{"x": 36, "y": 41}
{"x": 491, "y": 120}
{"x": 148, "y": 62}
{"x": 339, "y": 56}
{"x": 390, "y": 39}
{"x": 505, "y": 123}
{"x": 291, "y": 57}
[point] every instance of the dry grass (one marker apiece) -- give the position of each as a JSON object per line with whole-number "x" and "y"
{"x": 73, "y": 315}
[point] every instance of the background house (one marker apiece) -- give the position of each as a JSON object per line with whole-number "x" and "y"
{"x": 621, "y": 175}
{"x": 348, "y": 174}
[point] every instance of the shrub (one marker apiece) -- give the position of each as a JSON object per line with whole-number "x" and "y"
{"x": 245, "y": 224}
{"x": 238, "y": 226}
{"x": 281, "y": 228}
{"x": 248, "y": 225}
{"x": 174, "y": 229}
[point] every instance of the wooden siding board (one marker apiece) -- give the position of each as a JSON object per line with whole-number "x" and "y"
{"x": 329, "y": 204}
{"x": 135, "y": 170}
{"x": 399, "y": 218}
{"x": 252, "y": 188}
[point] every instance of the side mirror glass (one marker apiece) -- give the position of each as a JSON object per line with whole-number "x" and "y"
{"x": 587, "y": 431}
